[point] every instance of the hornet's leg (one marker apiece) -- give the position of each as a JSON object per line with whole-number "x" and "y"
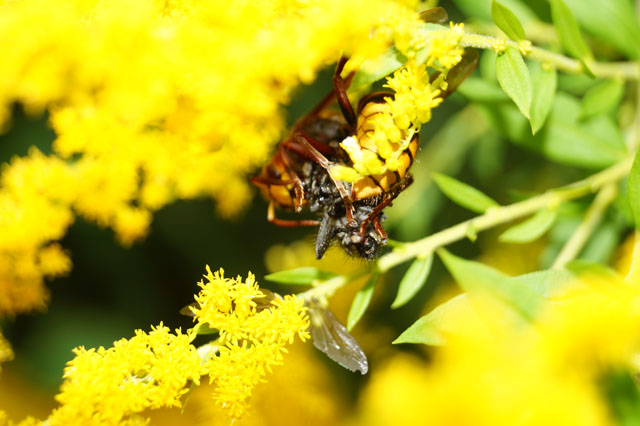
{"x": 297, "y": 183}
{"x": 271, "y": 217}
{"x": 388, "y": 198}
{"x": 340, "y": 87}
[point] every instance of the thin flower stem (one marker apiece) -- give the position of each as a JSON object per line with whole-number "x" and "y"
{"x": 625, "y": 70}
{"x": 592, "y": 218}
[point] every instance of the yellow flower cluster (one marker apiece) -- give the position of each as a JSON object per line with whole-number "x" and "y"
{"x": 153, "y": 370}
{"x": 111, "y": 386}
{"x": 549, "y": 372}
{"x": 153, "y": 101}
{"x": 254, "y": 328}
{"x": 393, "y": 125}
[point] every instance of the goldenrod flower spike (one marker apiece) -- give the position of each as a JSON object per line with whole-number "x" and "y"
{"x": 254, "y": 329}
{"x": 155, "y": 369}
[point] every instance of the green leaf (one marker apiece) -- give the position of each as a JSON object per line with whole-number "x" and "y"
{"x": 463, "y": 194}
{"x": 481, "y": 9}
{"x": 603, "y": 242}
{"x": 531, "y": 229}
{"x": 613, "y": 22}
{"x": 300, "y": 276}
{"x": 413, "y": 280}
{"x": 475, "y": 277}
{"x": 513, "y": 76}
{"x": 458, "y": 316}
{"x": 480, "y": 90}
{"x": 204, "y": 329}
{"x": 361, "y": 301}
{"x": 622, "y": 395}
{"x": 586, "y": 268}
{"x": 451, "y": 317}
{"x": 548, "y": 283}
{"x": 601, "y": 98}
{"x": 487, "y": 65}
{"x": 507, "y": 21}
{"x": 568, "y": 31}
{"x": 590, "y": 145}
{"x": 633, "y": 190}
{"x": 544, "y": 90}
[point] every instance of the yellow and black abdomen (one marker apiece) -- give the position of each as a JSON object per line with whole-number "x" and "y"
{"x": 369, "y": 186}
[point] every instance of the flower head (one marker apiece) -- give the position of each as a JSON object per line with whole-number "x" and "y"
{"x": 254, "y": 329}
{"x": 112, "y": 386}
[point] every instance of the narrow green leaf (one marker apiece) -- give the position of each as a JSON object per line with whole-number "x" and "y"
{"x": 300, "y": 276}
{"x": 513, "y": 76}
{"x": 475, "y": 277}
{"x": 633, "y": 190}
{"x": 463, "y": 194}
{"x": 531, "y": 229}
{"x": 548, "y": 283}
{"x": 480, "y": 90}
{"x": 507, "y": 21}
{"x": 413, "y": 281}
{"x": 544, "y": 90}
{"x": 204, "y": 329}
{"x": 487, "y": 65}
{"x": 589, "y": 269}
{"x": 601, "y": 98}
{"x": 603, "y": 242}
{"x": 458, "y": 316}
{"x": 481, "y": 9}
{"x": 361, "y": 301}
{"x": 568, "y": 31}
{"x": 448, "y": 318}
{"x": 613, "y": 22}
{"x": 592, "y": 144}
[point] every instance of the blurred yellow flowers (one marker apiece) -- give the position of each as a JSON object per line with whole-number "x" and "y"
{"x": 154, "y": 101}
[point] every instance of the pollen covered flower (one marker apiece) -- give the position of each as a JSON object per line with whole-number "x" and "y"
{"x": 444, "y": 48}
{"x": 385, "y": 132}
{"x": 254, "y": 328}
{"x": 111, "y": 386}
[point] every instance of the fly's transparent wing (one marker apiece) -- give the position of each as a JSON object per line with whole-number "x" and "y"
{"x": 332, "y": 338}
{"x": 186, "y": 310}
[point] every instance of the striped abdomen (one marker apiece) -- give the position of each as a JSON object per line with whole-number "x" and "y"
{"x": 369, "y": 186}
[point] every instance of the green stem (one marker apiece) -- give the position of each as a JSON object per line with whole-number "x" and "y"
{"x": 592, "y": 218}
{"x": 624, "y": 70}
{"x": 499, "y": 215}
